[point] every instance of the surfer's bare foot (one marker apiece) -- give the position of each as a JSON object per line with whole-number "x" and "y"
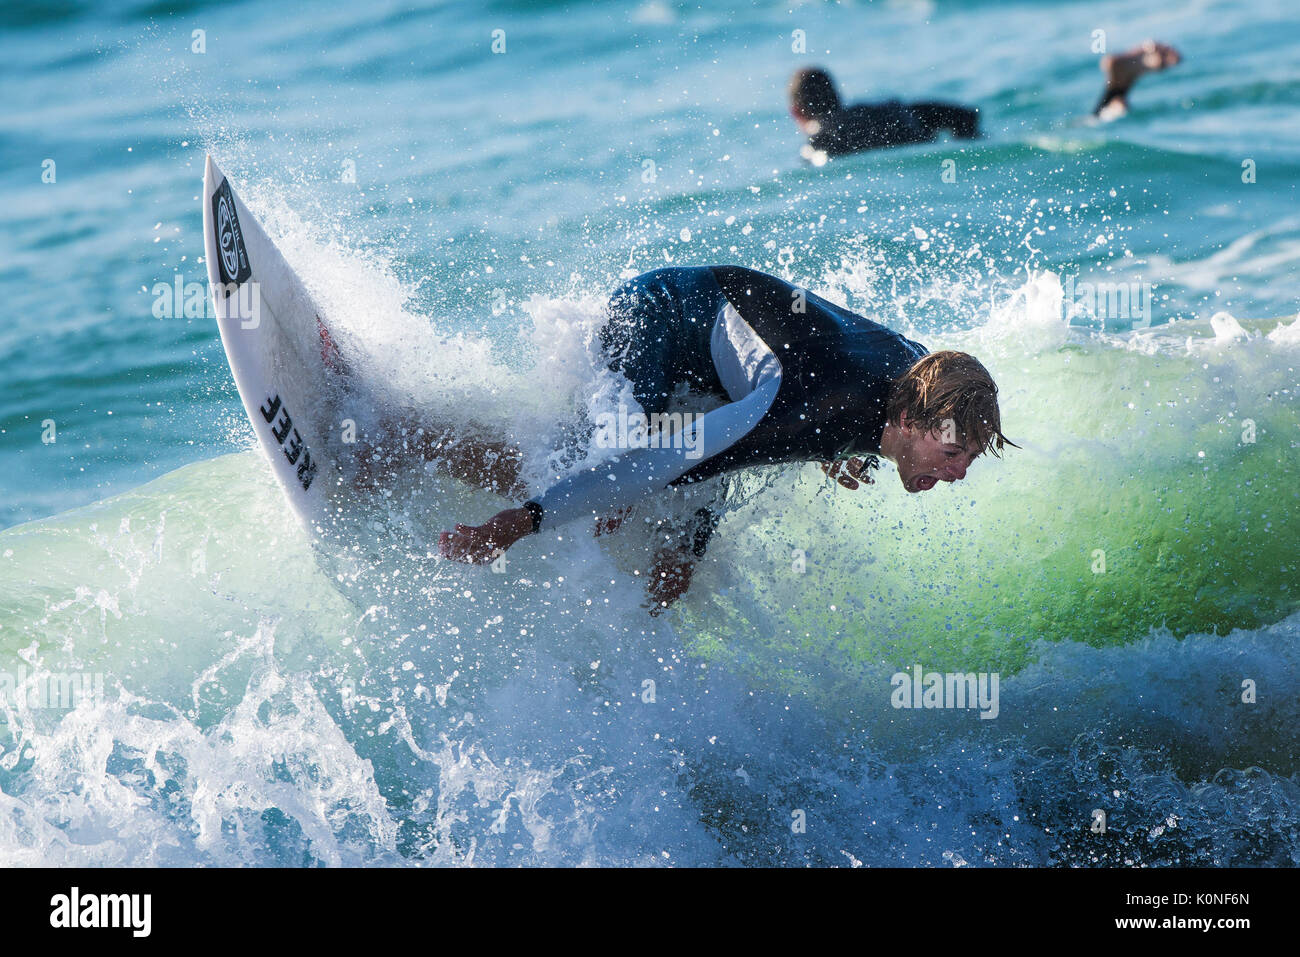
{"x": 377, "y": 455}
{"x": 480, "y": 544}
{"x": 1123, "y": 70}
{"x": 670, "y": 576}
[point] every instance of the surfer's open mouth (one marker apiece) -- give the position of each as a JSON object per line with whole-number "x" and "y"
{"x": 924, "y": 483}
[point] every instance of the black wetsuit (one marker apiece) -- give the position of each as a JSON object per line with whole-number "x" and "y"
{"x": 870, "y": 126}
{"x": 805, "y": 379}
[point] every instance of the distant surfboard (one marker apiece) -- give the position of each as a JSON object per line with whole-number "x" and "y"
{"x": 279, "y": 348}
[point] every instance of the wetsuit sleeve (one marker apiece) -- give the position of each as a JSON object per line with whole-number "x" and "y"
{"x": 752, "y": 375}
{"x": 637, "y": 473}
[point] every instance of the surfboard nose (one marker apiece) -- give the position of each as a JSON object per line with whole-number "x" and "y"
{"x": 210, "y": 173}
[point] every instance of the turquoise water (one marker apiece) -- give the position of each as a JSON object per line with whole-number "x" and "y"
{"x": 460, "y": 215}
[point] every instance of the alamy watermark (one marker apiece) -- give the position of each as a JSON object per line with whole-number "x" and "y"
{"x": 76, "y": 909}
{"x": 190, "y": 300}
{"x": 60, "y": 691}
{"x": 659, "y": 430}
{"x": 922, "y": 689}
{"x": 1108, "y": 300}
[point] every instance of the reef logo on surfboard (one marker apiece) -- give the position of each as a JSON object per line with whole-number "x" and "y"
{"x": 232, "y": 259}
{"x": 295, "y": 450}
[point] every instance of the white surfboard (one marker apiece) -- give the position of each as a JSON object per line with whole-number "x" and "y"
{"x": 279, "y": 350}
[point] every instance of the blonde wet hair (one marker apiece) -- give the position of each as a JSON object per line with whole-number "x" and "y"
{"x": 950, "y": 390}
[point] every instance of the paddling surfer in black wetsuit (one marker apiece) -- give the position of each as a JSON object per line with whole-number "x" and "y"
{"x": 799, "y": 378}
{"x": 834, "y": 129}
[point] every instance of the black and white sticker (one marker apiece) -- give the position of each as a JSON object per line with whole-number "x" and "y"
{"x": 232, "y": 259}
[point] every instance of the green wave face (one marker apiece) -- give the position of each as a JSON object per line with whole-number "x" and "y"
{"x": 1152, "y": 490}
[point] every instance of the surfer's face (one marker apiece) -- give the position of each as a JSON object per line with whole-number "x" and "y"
{"x": 927, "y": 460}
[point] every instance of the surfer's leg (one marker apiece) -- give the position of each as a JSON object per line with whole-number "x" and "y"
{"x": 657, "y": 337}
{"x": 657, "y": 333}
{"x": 670, "y": 577}
{"x": 1123, "y": 70}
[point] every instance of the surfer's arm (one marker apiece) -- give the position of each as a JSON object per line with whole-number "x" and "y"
{"x": 613, "y": 485}
{"x": 754, "y": 373}
{"x": 751, "y": 374}
{"x": 639, "y": 473}
{"x": 961, "y": 121}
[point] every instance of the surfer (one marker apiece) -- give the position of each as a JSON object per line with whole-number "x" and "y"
{"x": 1123, "y": 70}
{"x": 798, "y": 378}
{"x": 834, "y": 129}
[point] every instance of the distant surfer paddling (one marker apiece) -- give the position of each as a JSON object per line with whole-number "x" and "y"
{"x": 794, "y": 378}
{"x": 834, "y": 129}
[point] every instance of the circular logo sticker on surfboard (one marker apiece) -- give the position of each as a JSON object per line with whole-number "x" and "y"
{"x": 232, "y": 258}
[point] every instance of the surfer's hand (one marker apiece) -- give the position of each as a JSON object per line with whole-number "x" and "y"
{"x": 670, "y": 576}
{"x": 480, "y": 544}
{"x": 848, "y": 473}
